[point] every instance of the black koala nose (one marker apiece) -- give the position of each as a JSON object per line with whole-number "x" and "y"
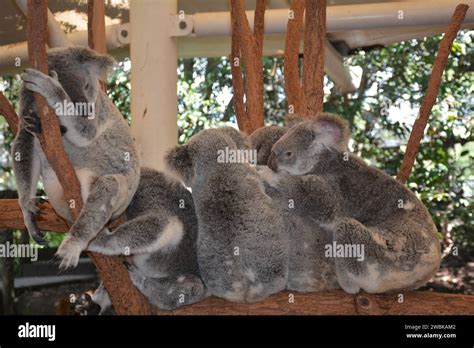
{"x": 272, "y": 162}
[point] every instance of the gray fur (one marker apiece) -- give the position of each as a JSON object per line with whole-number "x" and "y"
{"x": 309, "y": 270}
{"x": 263, "y": 138}
{"x": 99, "y": 146}
{"x": 242, "y": 242}
{"x": 361, "y": 205}
{"x": 160, "y": 233}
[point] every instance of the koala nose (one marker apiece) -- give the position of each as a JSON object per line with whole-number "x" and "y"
{"x": 272, "y": 161}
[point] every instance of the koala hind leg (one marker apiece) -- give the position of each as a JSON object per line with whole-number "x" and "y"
{"x": 171, "y": 292}
{"x": 148, "y": 233}
{"x": 101, "y": 298}
{"x": 107, "y": 195}
{"x": 350, "y": 234}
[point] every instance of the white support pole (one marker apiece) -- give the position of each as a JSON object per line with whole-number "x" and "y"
{"x": 154, "y": 57}
{"x": 56, "y": 36}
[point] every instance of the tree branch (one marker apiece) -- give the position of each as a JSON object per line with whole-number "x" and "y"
{"x": 7, "y": 110}
{"x": 50, "y": 137}
{"x": 431, "y": 92}
{"x": 337, "y": 303}
{"x": 252, "y": 58}
{"x": 293, "y": 88}
{"x": 313, "y": 64}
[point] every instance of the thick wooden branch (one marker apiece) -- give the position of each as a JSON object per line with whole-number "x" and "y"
{"x": 126, "y": 299}
{"x": 313, "y": 64}
{"x": 237, "y": 80}
{"x": 50, "y": 137}
{"x": 337, "y": 303}
{"x": 251, "y": 54}
{"x": 12, "y": 218}
{"x": 259, "y": 24}
{"x": 7, "y": 110}
{"x": 431, "y": 92}
{"x": 293, "y": 86}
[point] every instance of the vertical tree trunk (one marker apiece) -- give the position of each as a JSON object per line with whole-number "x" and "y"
{"x": 313, "y": 64}
{"x": 431, "y": 92}
{"x": 247, "y": 49}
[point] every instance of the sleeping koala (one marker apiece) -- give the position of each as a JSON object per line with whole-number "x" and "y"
{"x": 309, "y": 269}
{"x": 366, "y": 209}
{"x": 242, "y": 243}
{"x": 160, "y": 234}
{"x": 96, "y": 138}
{"x": 263, "y": 138}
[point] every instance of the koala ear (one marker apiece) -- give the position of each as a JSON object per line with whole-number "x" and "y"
{"x": 179, "y": 161}
{"x": 333, "y": 130}
{"x": 97, "y": 64}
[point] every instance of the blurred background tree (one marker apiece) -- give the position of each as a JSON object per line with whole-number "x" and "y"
{"x": 381, "y": 114}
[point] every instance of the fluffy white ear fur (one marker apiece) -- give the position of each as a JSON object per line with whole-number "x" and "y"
{"x": 333, "y": 131}
{"x": 329, "y": 133}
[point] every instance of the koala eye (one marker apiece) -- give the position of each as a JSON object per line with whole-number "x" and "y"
{"x": 288, "y": 153}
{"x": 313, "y": 135}
{"x": 86, "y": 86}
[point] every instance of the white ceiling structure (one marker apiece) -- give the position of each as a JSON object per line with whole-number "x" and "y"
{"x": 203, "y": 29}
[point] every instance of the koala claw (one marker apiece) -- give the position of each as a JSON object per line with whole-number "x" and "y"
{"x": 69, "y": 252}
{"x": 43, "y": 84}
{"x": 32, "y": 124}
{"x": 32, "y": 205}
{"x": 37, "y": 236}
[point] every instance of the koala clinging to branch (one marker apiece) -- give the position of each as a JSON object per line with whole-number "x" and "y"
{"x": 242, "y": 242}
{"x": 96, "y": 138}
{"x": 363, "y": 206}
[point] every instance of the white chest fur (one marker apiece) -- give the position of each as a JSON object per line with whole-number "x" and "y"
{"x": 54, "y": 190}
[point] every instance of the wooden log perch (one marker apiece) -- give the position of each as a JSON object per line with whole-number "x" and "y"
{"x": 337, "y": 303}
{"x": 431, "y": 92}
{"x": 7, "y": 110}
{"x": 247, "y": 47}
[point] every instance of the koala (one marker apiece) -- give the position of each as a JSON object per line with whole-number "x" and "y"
{"x": 242, "y": 245}
{"x": 366, "y": 209}
{"x": 96, "y": 138}
{"x": 160, "y": 233}
{"x": 263, "y": 138}
{"x": 309, "y": 269}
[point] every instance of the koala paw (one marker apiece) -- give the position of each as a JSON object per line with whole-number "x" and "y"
{"x": 268, "y": 176}
{"x": 31, "y": 124}
{"x": 49, "y": 87}
{"x": 69, "y": 252}
{"x": 32, "y": 207}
